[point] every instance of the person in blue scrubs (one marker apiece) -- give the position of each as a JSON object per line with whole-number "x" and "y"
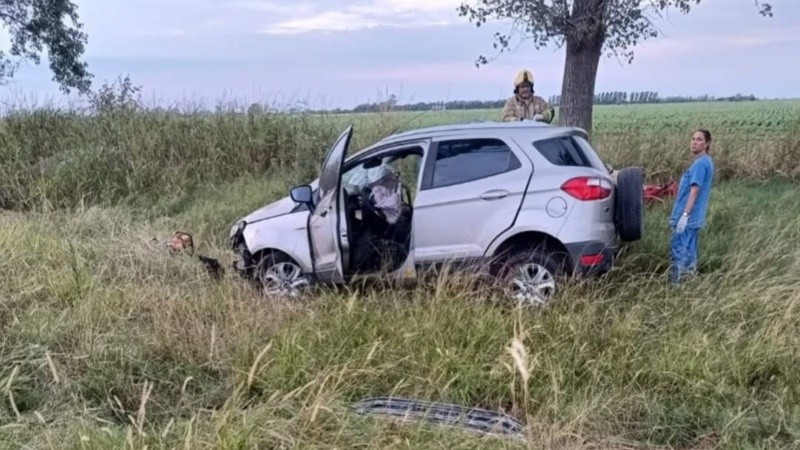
{"x": 689, "y": 211}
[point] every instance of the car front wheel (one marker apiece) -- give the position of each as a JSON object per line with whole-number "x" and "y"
{"x": 532, "y": 277}
{"x": 278, "y": 275}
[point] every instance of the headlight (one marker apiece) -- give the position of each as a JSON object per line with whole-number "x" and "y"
{"x": 236, "y": 229}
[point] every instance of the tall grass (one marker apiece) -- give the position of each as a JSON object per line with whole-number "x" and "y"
{"x": 107, "y": 341}
{"x": 52, "y": 158}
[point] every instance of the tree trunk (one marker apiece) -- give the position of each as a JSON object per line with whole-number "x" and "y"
{"x": 580, "y": 73}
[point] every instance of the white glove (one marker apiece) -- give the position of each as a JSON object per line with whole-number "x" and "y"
{"x": 681, "y": 227}
{"x": 538, "y": 117}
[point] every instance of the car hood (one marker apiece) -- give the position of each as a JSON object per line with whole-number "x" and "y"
{"x": 275, "y": 209}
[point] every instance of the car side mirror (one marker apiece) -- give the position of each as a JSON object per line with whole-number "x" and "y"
{"x": 303, "y": 194}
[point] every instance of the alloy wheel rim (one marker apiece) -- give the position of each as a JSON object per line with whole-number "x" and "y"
{"x": 284, "y": 279}
{"x": 531, "y": 284}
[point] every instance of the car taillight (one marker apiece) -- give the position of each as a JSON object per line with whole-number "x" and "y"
{"x": 588, "y": 188}
{"x": 592, "y": 260}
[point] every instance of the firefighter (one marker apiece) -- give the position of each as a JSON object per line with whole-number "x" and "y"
{"x": 524, "y": 105}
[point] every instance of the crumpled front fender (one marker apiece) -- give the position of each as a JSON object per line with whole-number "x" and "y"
{"x": 287, "y": 233}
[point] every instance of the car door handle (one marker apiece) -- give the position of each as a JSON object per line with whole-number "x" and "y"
{"x": 494, "y": 194}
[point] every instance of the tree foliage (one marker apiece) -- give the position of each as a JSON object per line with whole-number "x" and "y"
{"x": 622, "y": 24}
{"x": 588, "y": 29}
{"x": 117, "y": 96}
{"x": 36, "y": 26}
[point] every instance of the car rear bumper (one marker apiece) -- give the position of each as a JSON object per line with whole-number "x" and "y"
{"x": 592, "y": 257}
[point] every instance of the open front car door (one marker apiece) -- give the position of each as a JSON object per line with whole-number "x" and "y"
{"x": 327, "y": 224}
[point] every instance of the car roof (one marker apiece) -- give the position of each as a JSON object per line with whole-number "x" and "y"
{"x": 541, "y": 130}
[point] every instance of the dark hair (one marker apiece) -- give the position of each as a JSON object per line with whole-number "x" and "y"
{"x": 706, "y": 136}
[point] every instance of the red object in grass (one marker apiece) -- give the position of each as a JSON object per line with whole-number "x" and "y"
{"x": 657, "y": 193}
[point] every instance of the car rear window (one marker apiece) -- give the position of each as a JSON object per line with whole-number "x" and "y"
{"x": 563, "y": 151}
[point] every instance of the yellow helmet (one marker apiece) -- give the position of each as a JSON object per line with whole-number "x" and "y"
{"x": 524, "y": 76}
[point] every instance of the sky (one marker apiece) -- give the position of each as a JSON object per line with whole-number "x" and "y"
{"x": 326, "y": 53}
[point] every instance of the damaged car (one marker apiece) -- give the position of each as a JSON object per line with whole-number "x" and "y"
{"x": 529, "y": 204}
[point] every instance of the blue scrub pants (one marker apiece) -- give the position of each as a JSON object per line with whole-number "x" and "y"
{"x": 683, "y": 250}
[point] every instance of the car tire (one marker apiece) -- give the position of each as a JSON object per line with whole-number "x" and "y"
{"x": 533, "y": 277}
{"x": 278, "y": 275}
{"x": 630, "y": 204}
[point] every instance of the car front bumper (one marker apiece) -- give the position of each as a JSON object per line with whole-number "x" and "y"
{"x": 243, "y": 259}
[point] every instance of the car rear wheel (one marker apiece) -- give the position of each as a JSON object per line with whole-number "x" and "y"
{"x": 630, "y": 204}
{"x": 532, "y": 277}
{"x": 278, "y": 275}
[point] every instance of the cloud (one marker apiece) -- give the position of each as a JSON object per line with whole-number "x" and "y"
{"x": 271, "y": 7}
{"x": 327, "y": 21}
{"x": 662, "y": 48}
{"x": 373, "y": 14}
{"x": 447, "y": 71}
{"x": 767, "y": 37}
{"x": 391, "y": 7}
{"x": 346, "y": 21}
{"x": 162, "y": 32}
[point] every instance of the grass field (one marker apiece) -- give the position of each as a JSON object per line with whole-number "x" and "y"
{"x": 106, "y": 341}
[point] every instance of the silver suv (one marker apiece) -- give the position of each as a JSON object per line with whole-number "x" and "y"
{"x": 527, "y": 203}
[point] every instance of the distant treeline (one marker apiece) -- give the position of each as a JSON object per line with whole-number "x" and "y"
{"x": 602, "y": 98}
{"x": 427, "y": 106}
{"x": 620, "y": 98}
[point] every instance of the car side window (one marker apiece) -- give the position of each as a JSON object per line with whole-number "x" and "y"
{"x": 463, "y": 160}
{"x": 563, "y": 151}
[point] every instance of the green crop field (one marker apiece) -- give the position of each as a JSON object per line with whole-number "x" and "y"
{"x": 107, "y": 341}
{"x": 747, "y": 134}
{"x": 763, "y": 117}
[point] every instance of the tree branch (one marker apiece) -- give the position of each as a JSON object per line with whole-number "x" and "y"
{"x": 36, "y": 25}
